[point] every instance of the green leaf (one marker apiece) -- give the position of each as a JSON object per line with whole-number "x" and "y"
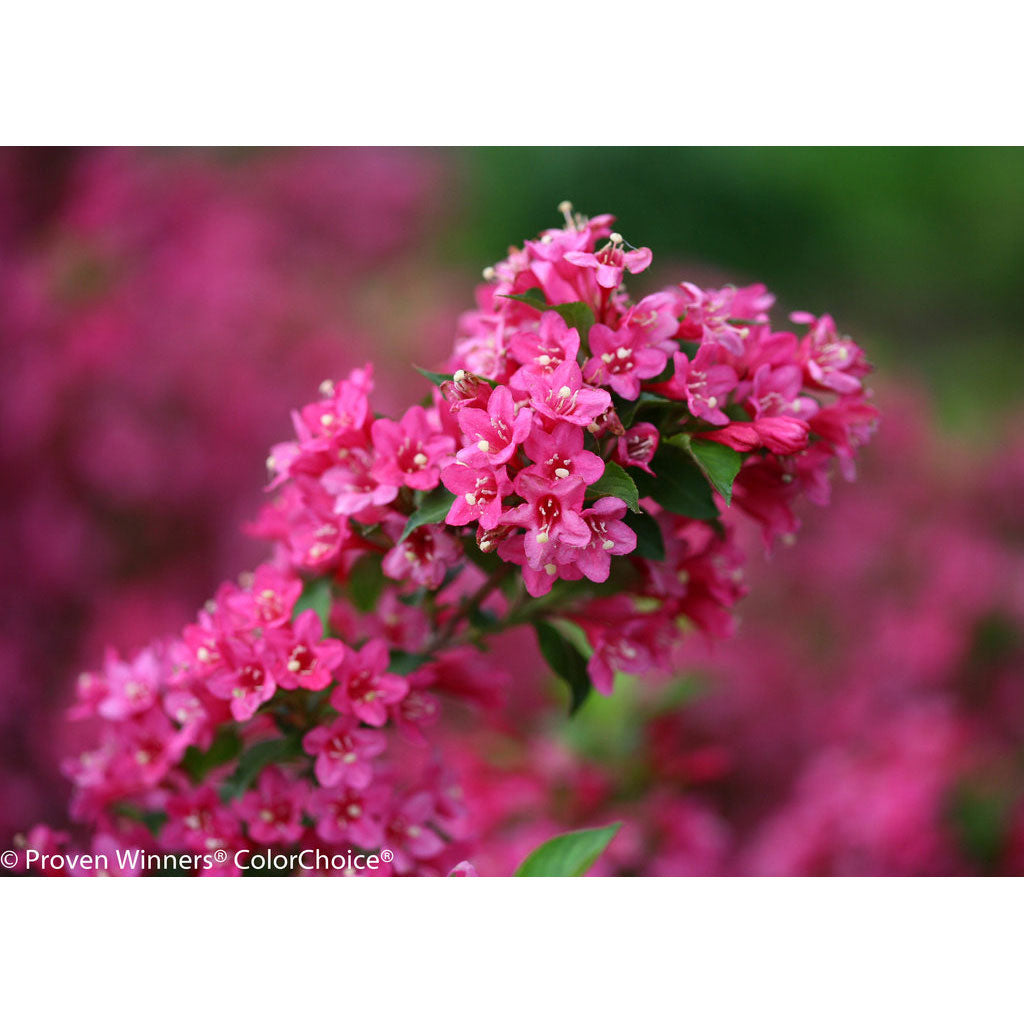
{"x": 433, "y": 508}
{"x": 719, "y": 462}
{"x": 578, "y": 315}
{"x": 365, "y": 583}
{"x": 225, "y": 747}
{"x": 679, "y": 485}
{"x": 434, "y": 378}
{"x": 569, "y": 855}
{"x": 650, "y": 544}
{"x": 566, "y": 662}
{"x": 533, "y": 297}
{"x": 404, "y": 662}
{"x": 153, "y": 820}
{"x": 316, "y": 594}
{"x": 254, "y": 760}
{"x": 575, "y": 314}
{"x": 616, "y": 483}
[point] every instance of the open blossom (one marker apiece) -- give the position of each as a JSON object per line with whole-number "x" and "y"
{"x": 622, "y": 359}
{"x": 550, "y": 513}
{"x": 273, "y": 810}
{"x": 402, "y": 546}
{"x": 704, "y": 383}
{"x": 637, "y": 446}
{"x": 344, "y": 753}
{"x": 424, "y": 557}
{"x": 610, "y": 261}
{"x": 563, "y": 396}
{"x": 410, "y": 452}
{"x": 365, "y": 688}
{"x": 479, "y": 488}
{"x": 494, "y": 433}
{"x": 560, "y": 453}
{"x": 540, "y": 352}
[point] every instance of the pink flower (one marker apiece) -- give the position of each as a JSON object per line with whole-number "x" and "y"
{"x": 408, "y": 834}
{"x": 346, "y": 815}
{"x": 783, "y": 435}
{"x": 304, "y": 657}
{"x": 273, "y": 811}
{"x": 621, "y": 360}
{"x": 610, "y": 261}
{"x": 495, "y": 433}
{"x": 637, "y": 446}
{"x": 560, "y": 453}
{"x": 354, "y": 485}
{"x": 366, "y": 689}
{"x": 478, "y": 488}
{"x": 550, "y": 513}
{"x": 703, "y": 383}
{"x": 242, "y": 679}
{"x": 608, "y": 536}
{"x": 542, "y": 351}
{"x": 830, "y": 361}
{"x": 563, "y": 396}
{"x": 776, "y": 392}
{"x": 424, "y": 556}
{"x": 411, "y": 452}
{"x": 344, "y": 752}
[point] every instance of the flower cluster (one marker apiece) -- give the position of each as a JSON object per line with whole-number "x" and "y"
{"x": 580, "y": 468}
{"x": 882, "y": 737}
{"x": 160, "y": 312}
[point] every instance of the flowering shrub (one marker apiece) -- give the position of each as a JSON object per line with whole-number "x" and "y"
{"x": 580, "y": 469}
{"x": 160, "y": 312}
{"x": 867, "y": 718}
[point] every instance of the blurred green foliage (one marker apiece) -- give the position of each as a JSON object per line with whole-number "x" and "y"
{"x": 917, "y": 252}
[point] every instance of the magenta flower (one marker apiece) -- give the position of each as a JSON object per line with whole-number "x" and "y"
{"x": 560, "y": 453}
{"x": 776, "y": 392}
{"x": 610, "y": 261}
{"x": 637, "y": 446}
{"x": 273, "y": 810}
{"x": 608, "y": 536}
{"x": 478, "y": 488}
{"x": 783, "y": 435}
{"x": 347, "y": 815}
{"x": 242, "y": 679}
{"x": 354, "y": 485}
{"x": 424, "y": 557}
{"x": 344, "y": 752}
{"x": 563, "y": 396}
{"x": 542, "y": 351}
{"x": 495, "y": 433}
{"x": 303, "y": 657}
{"x": 550, "y": 513}
{"x": 621, "y": 360}
{"x": 410, "y": 452}
{"x": 366, "y": 689}
{"x": 831, "y": 361}
{"x": 703, "y": 383}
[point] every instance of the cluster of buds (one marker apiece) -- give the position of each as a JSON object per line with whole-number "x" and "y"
{"x": 577, "y": 469}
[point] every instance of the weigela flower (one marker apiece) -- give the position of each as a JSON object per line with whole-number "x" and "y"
{"x": 365, "y": 688}
{"x": 622, "y": 359}
{"x": 344, "y": 752}
{"x": 411, "y": 452}
{"x": 494, "y": 434}
{"x": 562, "y": 395}
{"x": 272, "y": 811}
{"x": 479, "y": 488}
